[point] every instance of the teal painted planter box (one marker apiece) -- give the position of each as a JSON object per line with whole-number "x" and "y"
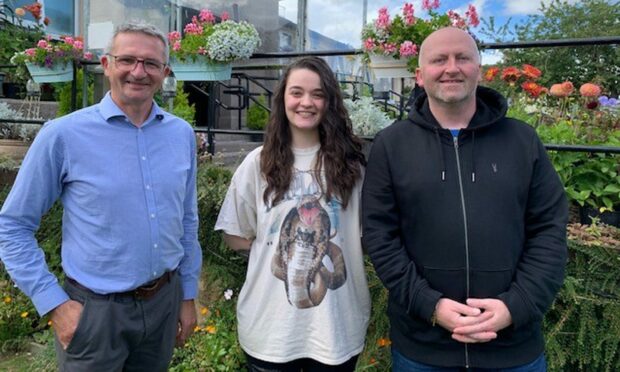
{"x": 200, "y": 70}
{"x": 56, "y": 74}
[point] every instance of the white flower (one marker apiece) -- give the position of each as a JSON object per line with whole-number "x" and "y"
{"x": 231, "y": 41}
{"x": 228, "y": 294}
{"x": 366, "y": 117}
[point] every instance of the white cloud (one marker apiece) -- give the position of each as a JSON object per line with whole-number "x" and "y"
{"x": 520, "y": 7}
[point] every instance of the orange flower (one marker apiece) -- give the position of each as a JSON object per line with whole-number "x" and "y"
{"x": 590, "y": 90}
{"x": 533, "y": 89}
{"x": 20, "y": 12}
{"x": 531, "y": 72}
{"x": 491, "y": 73}
{"x": 373, "y": 360}
{"x": 384, "y": 342}
{"x": 24, "y": 314}
{"x": 511, "y": 75}
{"x": 561, "y": 90}
{"x": 211, "y": 329}
{"x": 7, "y": 300}
{"x": 49, "y": 323}
{"x": 196, "y": 328}
{"x": 204, "y": 311}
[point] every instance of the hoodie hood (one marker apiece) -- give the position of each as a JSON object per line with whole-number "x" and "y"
{"x": 490, "y": 108}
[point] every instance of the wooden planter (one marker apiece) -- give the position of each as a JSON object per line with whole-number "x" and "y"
{"x": 15, "y": 149}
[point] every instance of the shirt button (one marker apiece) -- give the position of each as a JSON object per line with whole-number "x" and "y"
{"x": 144, "y": 158}
{"x": 154, "y": 274}
{"x": 152, "y": 215}
{"x": 148, "y": 187}
{"x": 155, "y": 245}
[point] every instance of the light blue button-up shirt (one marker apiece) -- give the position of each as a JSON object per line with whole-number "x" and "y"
{"x": 129, "y": 198}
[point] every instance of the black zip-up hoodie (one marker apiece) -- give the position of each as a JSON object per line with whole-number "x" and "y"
{"x": 480, "y": 216}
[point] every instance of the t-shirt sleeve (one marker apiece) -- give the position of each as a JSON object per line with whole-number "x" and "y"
{"x": 239, "y": 212}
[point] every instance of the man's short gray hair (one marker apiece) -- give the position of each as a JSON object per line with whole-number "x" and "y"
{"x": 142, "y": 28}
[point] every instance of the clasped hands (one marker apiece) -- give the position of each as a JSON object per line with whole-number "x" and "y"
{"x": 478, "y": 320}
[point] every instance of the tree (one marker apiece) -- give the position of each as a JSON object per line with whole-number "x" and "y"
{"x": 562, "y": 20}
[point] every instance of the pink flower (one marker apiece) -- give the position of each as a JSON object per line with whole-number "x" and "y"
{"x": 176, "y": 46}
{"x": 408, "y": 49}
{"x": 590, "y": 90}
{"x": 383, "y": 21}
{"x": 206, "y": 16}
{"x": 192, "y": 28}
{"x": 78, "y": 45}
{"x": 388, "y": 48}
{"x": 174, "y": 36}
{"x": 408, "y": 13}
{"x": 42, "y": 44}
{"x": 88, "y": 55}
{"x": 428, "y": 4}
{"x": 456, "y": 19}
{"x": 369, "y": 44}
{"x": 225, "y": 16}
{"x": 30, "y": 52}
{"x": 202, "y": 51}
{"x": 472, "y": 16}
{"x": 69, "y": 40}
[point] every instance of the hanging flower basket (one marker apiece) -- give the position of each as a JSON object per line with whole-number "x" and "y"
{"x": 56, "y": 74}
{"x": 200, "y": 70}
{"x": 388, "y": 67}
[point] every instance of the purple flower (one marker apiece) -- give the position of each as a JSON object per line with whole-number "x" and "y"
{"x": 608, "y": 102}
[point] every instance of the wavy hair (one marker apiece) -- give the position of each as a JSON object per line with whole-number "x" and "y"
{"x": 340, "y": 156}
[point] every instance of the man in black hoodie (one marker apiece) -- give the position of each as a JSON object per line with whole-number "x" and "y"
{"x": 465, "y": 222}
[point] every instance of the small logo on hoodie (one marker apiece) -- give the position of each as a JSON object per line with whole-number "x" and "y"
{"x": 494, "y": 167}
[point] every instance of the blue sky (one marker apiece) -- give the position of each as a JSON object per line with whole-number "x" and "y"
{"x": 342, "y": 19}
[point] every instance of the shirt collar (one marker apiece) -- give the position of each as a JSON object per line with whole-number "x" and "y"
{"x": 109, "y": 109}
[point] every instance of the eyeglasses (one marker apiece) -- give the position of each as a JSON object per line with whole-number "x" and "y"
{"x": 129, "y": 63}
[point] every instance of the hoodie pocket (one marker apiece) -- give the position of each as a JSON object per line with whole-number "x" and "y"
{"x": 489, "y": 283}
{"x": 450, "y": 282}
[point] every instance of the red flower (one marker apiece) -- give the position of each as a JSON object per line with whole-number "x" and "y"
{"x": 531, "y": 72}
{"x": 34, "y": 9}
{"x": 592, "y": 105}
{"x": 511, "y": 75}
{"x": 491, "y": 73}
{"x": 533, "y": 89}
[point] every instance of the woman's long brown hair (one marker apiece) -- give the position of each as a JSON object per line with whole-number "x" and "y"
{"x": 340, "y": 155}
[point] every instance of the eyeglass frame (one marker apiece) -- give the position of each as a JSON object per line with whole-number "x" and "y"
{"x": 138, "y": 61}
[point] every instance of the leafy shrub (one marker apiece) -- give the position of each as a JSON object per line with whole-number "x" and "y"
{"x": 257, "y": 116}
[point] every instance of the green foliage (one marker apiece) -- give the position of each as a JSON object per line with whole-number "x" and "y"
{"x": 257, "y": 114}
{"x": 64, "y": 95}
{"x": 561, "y": 19}
{"x": 182, "y": 108}
{"x": 583, "y": 327}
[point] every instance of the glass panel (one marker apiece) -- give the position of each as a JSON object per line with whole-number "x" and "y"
{"x": 61, "y": 16}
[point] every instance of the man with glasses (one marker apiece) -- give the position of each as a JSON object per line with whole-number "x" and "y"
{"x": 125, "y": 172}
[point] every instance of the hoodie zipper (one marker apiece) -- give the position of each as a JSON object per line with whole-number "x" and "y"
{"x": 458, "y": 168}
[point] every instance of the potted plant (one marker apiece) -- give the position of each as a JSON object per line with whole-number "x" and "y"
{"x": 391, "y": 45}
{"x": 206, "y": 49}
{"x": 366, "y": 117}
{"x": 52, "y": 60}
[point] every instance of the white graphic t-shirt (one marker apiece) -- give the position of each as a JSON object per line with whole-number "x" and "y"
{"x": 305, "y": 293}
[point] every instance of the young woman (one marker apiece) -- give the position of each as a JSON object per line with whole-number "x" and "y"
{"x": 293, "y": 206}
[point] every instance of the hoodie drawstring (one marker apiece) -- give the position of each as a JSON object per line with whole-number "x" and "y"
{"x": 441, "y": 155}
{"x": 473, "y": 161}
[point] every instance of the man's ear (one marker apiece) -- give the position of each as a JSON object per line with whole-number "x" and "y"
{"x": 105, "y": 63}
{"x": 418, "y": 78}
